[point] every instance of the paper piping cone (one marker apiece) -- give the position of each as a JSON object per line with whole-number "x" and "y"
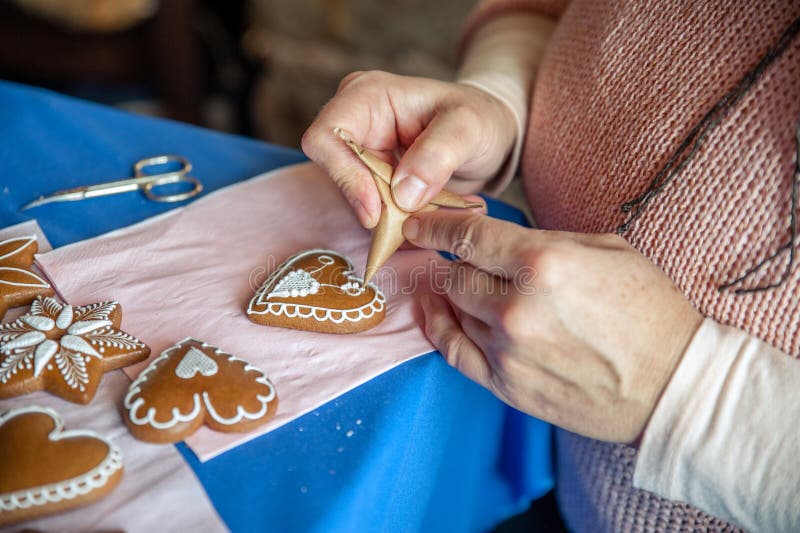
{"x": 388, "y": 236}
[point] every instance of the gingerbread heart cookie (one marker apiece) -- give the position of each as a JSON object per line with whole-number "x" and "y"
{"x": 18, "y": 284}
{"x": 192, "y": 384}
{"x": 45, "y": 470}
{"x": 64, "y": 349}
{"x": 317, "y": 291}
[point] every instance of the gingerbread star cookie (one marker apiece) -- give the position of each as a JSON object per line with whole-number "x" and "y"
{"x": 64, "y": 349}
{"x": 18, "y": 284}
{"x": 193, "y": 384}
{"x": 316, "y": 290}
{"x": 46, "y": 470}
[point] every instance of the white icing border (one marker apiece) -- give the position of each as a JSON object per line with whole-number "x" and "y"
{"x": 67, "y": 489}
{"x": 43, "y": 284}
{"x": 29, "y": 238}
{"x": 376, "y": 305}
{"x": 132, "y": 404}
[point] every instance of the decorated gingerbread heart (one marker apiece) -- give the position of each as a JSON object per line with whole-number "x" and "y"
{"x": 45, "y": 470}
{"x": 18, "y": 284}
{"x": 192, "y": 384}
{"x": 64, "y": 349}
{"x": 317, "y": 291}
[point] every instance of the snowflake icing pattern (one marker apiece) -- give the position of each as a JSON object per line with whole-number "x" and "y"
{"x": 62, "y": 340}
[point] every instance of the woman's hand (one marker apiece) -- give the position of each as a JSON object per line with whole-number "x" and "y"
{"x": 580, "y": 330}
{"x": 444, "y": 129}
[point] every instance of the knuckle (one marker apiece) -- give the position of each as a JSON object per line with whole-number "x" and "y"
{"x": 350, "y": 78}
{"x": 611, "y": 240}
{"x": 512, "y": 318}
{"x": 469, "y": 229}
{"x": 542, "y": 406}
{"x": 369, "y": 77}
{"x": 468, "y": 116}
{"x": 549, "y": 262}
{"x": 453, "y": 344}
{"x": 440, "y": 157}
{"x": 499, "y": 385}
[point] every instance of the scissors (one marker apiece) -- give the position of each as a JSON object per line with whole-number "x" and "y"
{"x": 141, "y": 180}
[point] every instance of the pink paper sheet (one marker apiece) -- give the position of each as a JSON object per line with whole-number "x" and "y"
{"x": 157, "y": 488}
{"x": 192, "y": 271}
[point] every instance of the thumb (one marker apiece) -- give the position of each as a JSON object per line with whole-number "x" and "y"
{"x": 449, "y": 141}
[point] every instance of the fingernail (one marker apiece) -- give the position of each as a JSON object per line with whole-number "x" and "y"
{"x": 411, "y": 228}
{"x": 408, "y": 192}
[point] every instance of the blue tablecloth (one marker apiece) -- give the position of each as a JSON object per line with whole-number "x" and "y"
{"x": 418, "y": 448}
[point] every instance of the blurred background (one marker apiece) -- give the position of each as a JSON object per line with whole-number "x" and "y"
{"x": 254, "y": 67}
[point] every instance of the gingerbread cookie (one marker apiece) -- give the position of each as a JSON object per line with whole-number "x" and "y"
{"x": 46, "y": 470}
{"x": 64, "y": 349}
{"x": 194, "y": 383}
{"x": 18, "y": 284}
{"x": 317, "y": 291}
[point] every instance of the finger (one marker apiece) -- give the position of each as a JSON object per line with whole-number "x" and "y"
{"x": 448, "y": 142}
{"x": 484, "y": 242}
{"x": 446, "y": 334}
{"x": 483, "y": 209}
{"x": 353, "y": 110}
{"x": 478, "y": 332}
{"x": 350, "y": 175}
{"x": 480, "y": 293}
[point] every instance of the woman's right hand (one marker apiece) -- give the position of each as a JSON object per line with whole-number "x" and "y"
{"x": 442, "y": 129}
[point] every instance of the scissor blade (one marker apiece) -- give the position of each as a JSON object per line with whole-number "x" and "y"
{"x": 65, "y": 196}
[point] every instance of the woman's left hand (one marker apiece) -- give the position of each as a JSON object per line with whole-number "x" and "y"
{"x": 580, "y": 330}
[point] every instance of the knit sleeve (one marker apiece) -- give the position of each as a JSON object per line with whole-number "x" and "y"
{"x": 488, "y": 9}
{"x": 503, "y": 56}
{"x": 725, "y": 436}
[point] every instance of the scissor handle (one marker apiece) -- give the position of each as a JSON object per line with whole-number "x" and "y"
{"x": 142, "y": 164}
{"x": 165, "y": 178}
{"x": 147, "y": 188}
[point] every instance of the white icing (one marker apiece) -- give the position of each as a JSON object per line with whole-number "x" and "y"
{"x": 77, "y": 344}
{"x": 73, "y": 369}
{"x": 193, "y": 362}
{"x": 67, "y": 489}
{"x": 44, "y": 352}
{"x": 85, "y": 326}
{"x": 26, "y": 340}
{"x": 354, "y": 286}
{"x": 24, "y": 243}
{"x": 134, "y": 403}
{"x": 295, "y": 283}
{"x": 37, "y": 281}
{"x": 27, "y": 348}
{"x": 42, "y": 323}
{"x": 64, "y": 317}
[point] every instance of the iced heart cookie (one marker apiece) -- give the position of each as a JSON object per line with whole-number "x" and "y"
{"x": 46, "y": 470}
{"x": 317, "y": 291}
{"x": 18, "y": 285}
{"x": 64, "y": 349}
{"x": 192, "y": 384}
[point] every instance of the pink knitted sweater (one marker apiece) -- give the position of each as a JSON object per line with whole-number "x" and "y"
{"x": 620, "y": 86}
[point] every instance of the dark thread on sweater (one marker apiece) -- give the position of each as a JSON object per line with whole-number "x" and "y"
{"x": 787, "y": 245}
{"x": 694, "y": 141}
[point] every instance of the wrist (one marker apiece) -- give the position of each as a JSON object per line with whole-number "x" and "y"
{"x": 502, "y": 61}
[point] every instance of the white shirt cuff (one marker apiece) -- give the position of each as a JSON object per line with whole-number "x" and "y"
{"x": 725, "y": 435}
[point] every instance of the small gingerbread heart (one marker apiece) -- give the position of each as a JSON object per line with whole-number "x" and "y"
{"x": 18, "y": 284}
{"x": 46, "y": 470}
{"x": 316, "y": 290}
{"x": 194, "y": 383}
